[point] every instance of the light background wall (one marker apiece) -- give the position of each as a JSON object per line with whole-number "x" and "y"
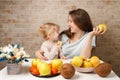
{"x": 20, "y": 21}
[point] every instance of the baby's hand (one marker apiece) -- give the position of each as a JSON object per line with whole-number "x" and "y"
{"x": 41, "y": 52}
{"x": 59, "y": 43}
{"x": 63, "y": 57}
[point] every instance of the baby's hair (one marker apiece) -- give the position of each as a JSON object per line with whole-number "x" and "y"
{"x": 48, "y": 28}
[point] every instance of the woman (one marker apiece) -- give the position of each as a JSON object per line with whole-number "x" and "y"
{"x": 79, "y": 39}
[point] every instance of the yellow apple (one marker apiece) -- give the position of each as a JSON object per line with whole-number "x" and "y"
{"x": 44, "y": 69}
{"x": 35, "y": 62}
{"x": 39, "y": 64}
{"x": 77, "y": 61}
{"x": 102, "y": 27}
{"x": 57, "y": 63}
{"x": 84, "y": 59}
{"x": 59, "y": 43}
{"x": 87, "y": 64}
{"x": 95, "y": 61}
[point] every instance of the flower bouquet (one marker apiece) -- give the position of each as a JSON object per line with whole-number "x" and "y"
{"x": 15, "y": 54}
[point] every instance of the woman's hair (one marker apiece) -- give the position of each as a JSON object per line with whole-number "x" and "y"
{"x": 48, "y": 28}
{"x": 82, "y": 19}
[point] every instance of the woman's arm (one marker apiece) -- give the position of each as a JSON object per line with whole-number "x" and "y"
{"x": 86, "y": 52}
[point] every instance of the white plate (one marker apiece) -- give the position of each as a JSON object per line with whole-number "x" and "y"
{"x": 79, "y": 69}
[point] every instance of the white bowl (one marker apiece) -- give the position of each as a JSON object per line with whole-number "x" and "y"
{"x": 81, "y": 69}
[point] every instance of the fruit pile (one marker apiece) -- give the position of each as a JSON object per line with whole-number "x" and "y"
{"x": 42, "y": 68}
{"x": 79, "y": 61}
{"x": 67, "y": 70}
{"x": 102, "y": 69}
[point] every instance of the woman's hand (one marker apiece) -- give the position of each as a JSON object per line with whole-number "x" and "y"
{"x": 39, "y": 54}
{"x": 96, "y": 31}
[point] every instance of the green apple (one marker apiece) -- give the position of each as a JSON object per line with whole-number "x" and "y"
{"x": 35, "y": 62}
{"x": 44, "y": 69}
{"x": 87, "y": 64}
{"x": 57, "y": 63}
{"x": 77, "y": 61}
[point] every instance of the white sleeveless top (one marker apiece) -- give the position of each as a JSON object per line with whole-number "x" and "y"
{"x": 70, "y": 50}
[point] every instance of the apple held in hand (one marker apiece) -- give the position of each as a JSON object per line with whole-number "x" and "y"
{"x": 59, "y": 43}
{"x": 77, "y": 61}
{"x": 57, "y": 63}
{"x": 35, "y": 62}
{"x": 102, "y": 27}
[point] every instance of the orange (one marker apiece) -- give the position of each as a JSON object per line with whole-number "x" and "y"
{"x": 34, "y": 70}
{"x": 31, "y": 68}
{"x": 54, "y": 71}
{"x": 50, "y": 65}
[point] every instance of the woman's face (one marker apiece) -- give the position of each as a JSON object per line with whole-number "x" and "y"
{"x": 73, "y": 27}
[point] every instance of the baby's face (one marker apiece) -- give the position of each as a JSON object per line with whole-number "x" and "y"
{"x": 54, "y": 35}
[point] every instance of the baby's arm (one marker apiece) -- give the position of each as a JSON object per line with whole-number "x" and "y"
{"x": 62, "y": 56}
{"x": 49, "y": 54}
{"x": 39, "y": 54}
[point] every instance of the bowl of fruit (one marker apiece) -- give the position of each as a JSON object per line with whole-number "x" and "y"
{"x": 85, "y": 65}
{"x": 45, "y": 69}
